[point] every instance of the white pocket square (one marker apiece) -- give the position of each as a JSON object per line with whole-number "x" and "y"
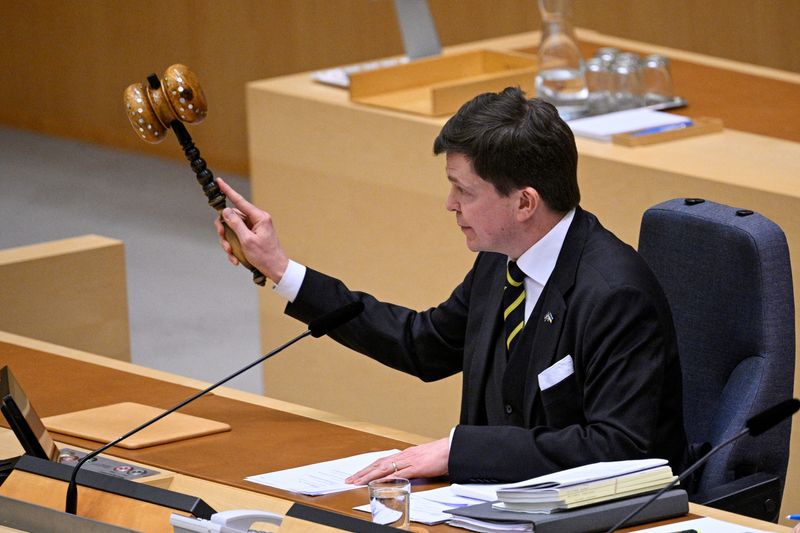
{"x": 556, "y": 373}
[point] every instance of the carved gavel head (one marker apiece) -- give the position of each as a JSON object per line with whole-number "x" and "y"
{"x": 152, "y": 107}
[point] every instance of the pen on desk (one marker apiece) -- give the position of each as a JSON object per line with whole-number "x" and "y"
{"x": 659, "y": 129}
{"x": 793, "y": 517}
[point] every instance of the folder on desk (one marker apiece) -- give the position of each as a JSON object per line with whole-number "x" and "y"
{"x": 584, "y": 519}
{"x": 104, "y": 424}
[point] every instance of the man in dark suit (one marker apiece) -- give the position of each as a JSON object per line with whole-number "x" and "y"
{"x": 563, "y": 335}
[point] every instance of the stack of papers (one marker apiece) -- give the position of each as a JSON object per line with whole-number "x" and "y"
{"x": 641, "y": 120}
{"x": 585, "y": 485}
{"x": 320, "y": 478}
{"x": 483, "y": 526}
{"x": 518, "y": 502}
{"x": 597, "y": 517}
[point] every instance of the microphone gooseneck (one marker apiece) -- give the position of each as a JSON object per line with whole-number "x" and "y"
{"x": 321, "y": 325}
{"x": 769, "y": 417}
{"x": 755, "y": 426}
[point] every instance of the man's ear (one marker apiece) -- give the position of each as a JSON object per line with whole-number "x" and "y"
{"x": 529, "y": 202}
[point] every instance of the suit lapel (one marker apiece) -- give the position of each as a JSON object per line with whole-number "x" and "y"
{"x": 554, "y": 307}
{"x": 480, "y": 351}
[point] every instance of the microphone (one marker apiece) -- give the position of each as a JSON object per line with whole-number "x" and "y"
{"x": 316, "y": 328}
{"x": 755, "y": 426}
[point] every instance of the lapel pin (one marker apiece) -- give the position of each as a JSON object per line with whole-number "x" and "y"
{"x": 549, "y": 317}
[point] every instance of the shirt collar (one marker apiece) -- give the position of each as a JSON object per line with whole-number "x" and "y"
{"x": 539, "y": 261}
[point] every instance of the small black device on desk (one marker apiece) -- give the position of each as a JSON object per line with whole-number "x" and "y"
{"x": 36, "y": 440}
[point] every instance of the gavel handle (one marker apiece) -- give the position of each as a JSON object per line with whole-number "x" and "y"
{"x": 216, "y": 198}
{"x": 236, "y": 248}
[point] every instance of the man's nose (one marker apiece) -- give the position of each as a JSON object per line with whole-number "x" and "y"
{"x": 450, "y": 204}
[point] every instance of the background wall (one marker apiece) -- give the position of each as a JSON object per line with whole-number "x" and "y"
{"x": 65, "y": 63}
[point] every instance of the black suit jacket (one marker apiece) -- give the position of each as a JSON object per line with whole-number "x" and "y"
{"x": 609, "y": 314}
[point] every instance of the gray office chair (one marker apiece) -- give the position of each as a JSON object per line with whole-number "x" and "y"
{"x": 727, "y": 276}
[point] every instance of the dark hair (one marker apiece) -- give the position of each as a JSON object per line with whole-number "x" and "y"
{"x": 513, "y": 143}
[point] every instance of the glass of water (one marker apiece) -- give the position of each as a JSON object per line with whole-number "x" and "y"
{"x": 389, "y": 501}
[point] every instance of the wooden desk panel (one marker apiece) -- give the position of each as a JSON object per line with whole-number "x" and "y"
{"x": 70, "y": 291}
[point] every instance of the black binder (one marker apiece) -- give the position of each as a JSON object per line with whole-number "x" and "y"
{"x": 589, "y": 519}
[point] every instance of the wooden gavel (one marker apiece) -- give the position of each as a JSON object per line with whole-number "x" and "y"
{"x": 166, "y": 103}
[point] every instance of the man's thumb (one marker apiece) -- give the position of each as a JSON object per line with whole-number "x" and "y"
{"x": 233, "y": 220}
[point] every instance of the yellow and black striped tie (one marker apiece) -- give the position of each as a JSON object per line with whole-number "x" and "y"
{"x": 513, "y": 305}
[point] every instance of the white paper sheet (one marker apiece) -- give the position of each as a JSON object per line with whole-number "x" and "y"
{"x": 704, "y": 525}
{"x": 486, "y": 527}
{"x": 588, "y": 473}
{"x": 485, "y": 493}
{"x": 602, "y": 127}
{"x": 319, "y": 478}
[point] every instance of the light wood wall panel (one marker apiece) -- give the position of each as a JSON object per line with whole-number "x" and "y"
{"x": 65, "y": 63}
{"x": 763, "y": 32}
{"x": 71, "y": 292}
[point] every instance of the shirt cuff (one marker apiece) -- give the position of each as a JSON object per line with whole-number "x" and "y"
{"x": 450, "y": 441}
{"x": 289, "y": 285}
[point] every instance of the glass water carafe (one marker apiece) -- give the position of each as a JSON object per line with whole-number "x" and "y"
{"x": 560, "y": 79}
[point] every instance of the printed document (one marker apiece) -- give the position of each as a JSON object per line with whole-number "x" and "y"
{"x": 320, "y": 478}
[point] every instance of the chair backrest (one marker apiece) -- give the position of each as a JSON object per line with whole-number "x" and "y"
{"x": 727, "y": 277}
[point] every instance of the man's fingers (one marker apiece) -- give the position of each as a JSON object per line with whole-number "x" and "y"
{"x": 234, "y": 221}
{"x": 361, "y": 474}
{"x": 238, "y": 200}
{"x": 377, "y": 470}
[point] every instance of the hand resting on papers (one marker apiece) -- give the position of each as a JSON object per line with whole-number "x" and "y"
{"x": 423, "y": 461}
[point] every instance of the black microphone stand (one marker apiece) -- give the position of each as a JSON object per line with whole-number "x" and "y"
{"x": 755, "y": 426}
{"x": 72, "y": 488}
{"x": 700, "y": 462}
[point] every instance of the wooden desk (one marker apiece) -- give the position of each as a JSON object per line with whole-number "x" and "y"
{"x": 355, "y": 191}
{"x": 266, "y": 434}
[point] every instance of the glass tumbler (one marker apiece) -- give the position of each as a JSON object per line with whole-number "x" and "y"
{"x": 389, "y": 501}
{"x": 656, "y": 80}
{"x": 607, "y": 55}
{"x": 598, "y": 82}
{"x": 626, "y": 75}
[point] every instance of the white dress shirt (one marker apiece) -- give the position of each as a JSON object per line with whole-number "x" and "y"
{"x": 538, "y": 261}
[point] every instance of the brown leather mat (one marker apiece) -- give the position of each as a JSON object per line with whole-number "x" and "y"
{"x": 744, "y": 102}
{"x": 261, "y": 439}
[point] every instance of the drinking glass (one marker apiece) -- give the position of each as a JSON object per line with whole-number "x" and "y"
{"x": 389, "y": 501}
{"x": 598, "y": 82}
{"x": 627, "y": 81}
{"x": 656, "y": 79}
